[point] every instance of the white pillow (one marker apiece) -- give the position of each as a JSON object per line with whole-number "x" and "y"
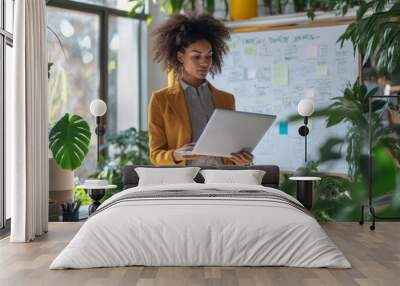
{"x": 163, "y": 176}
{"x": 248, "y": 177}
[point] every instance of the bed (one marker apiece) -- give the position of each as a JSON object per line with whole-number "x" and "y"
{"x": 197, "y": 224}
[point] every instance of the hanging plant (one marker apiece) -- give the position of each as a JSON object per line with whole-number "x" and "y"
{"x": 69, "y": 141}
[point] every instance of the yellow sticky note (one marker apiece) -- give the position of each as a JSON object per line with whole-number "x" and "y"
{"x": 323, "y": 69}
{"x": 280, "y": 74}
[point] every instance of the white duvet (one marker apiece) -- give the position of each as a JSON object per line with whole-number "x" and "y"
{"x": 200, "y": 231}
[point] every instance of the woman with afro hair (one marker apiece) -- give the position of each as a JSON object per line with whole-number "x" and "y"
{"x": 191, "y": 46}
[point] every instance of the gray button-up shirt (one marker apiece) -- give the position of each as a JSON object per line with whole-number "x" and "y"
{"x": 200, "y": 107}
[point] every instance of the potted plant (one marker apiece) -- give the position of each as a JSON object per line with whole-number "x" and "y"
{"x": 178, "y": 6}
{"x": 126, "y": 147}
{"x": 352, "y": 108}
{"x": 69, "y": 141}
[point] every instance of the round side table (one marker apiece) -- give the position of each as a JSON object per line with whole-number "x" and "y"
{"x": 96, "y": 193}
{"x": 305, "y": 188}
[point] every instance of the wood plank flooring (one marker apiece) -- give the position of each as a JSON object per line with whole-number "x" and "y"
{"x": 375, "y": 257}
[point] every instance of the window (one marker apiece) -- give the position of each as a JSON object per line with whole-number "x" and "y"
{"x": 94, "y": 53}
{"x": 123, "y": 64}
{"x": 125, "y": 5}
{"x": 6, "y": 43}
{"x": 73, "y": 48}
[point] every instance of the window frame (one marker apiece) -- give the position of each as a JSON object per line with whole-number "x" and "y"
{"x": 6, "y": 39}
{"x": 104, "y": 12}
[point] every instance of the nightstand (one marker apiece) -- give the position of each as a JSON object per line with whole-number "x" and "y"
{"x": 305, "y": 188}
{"x": 96, "y": 193}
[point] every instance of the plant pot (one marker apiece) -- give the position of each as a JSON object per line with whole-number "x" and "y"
{"x": 61, "y": 183}
{"x": 242, "y": 10}
{"x": 71, "y": 216}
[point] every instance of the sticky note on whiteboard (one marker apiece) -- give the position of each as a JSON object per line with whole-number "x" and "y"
{"x": 323, "y": 69}
{"x": 310, "y": 92}
{"x": 250, "y": 50}
{"x": 312, "y": 52}
{"x": 280, "y": 74}
{"x": 283, "y": 128}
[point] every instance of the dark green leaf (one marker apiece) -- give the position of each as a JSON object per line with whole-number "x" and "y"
{"x": 69, "y": 141}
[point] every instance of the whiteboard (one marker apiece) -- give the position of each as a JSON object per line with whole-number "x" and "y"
{"x": 271, "y": 71}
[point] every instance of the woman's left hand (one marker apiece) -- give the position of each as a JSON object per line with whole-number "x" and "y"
{"x": 242, "y": 158}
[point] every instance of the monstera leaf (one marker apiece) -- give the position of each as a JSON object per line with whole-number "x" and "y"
{"x": 69, "y": 141}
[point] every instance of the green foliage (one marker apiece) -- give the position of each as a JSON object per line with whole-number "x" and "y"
{"x": 138, "y": 6}
{"x": 377, "y": 35}
{"x": 126, "y": 147}
{"x": 81, "y": 195}
{"x": 352, "y": 109}
{"x": 176, "y": 6}
{"x": 333, "y": 195}
{"x": 69, "y": 141}
{"x": 332, "y": 192}
{"x": 340, "y": 198}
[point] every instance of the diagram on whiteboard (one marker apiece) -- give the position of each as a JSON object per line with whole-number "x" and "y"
{"x": 270, "y": 72}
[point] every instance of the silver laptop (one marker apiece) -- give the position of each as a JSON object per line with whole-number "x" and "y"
{"x": 230, "y": 132}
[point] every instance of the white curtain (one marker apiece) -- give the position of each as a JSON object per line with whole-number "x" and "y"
{"x": 27, "y": 123}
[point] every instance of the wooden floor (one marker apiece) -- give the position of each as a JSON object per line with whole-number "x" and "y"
{"x": 375, "y": 257}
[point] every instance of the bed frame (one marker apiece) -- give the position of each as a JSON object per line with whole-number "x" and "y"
{"x": 270, "y": 179}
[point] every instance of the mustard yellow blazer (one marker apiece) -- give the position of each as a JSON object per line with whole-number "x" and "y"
{"x": 169, "y": 123}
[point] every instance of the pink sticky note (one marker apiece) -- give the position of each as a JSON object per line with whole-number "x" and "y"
{"x": 310, "y": 92}
{"x": 312, "y": 52}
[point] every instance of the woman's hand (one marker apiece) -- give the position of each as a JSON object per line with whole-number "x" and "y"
{"x": 179, "y": 154}
{"x": 242, "y": 158}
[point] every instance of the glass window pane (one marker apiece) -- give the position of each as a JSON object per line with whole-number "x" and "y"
{"x": 116, "y": 4}
{"x": 73, "y": 45}
{"x": 8, "y": 86}
{"x": 9, "y": 9}
{"x": 123, "y": 70}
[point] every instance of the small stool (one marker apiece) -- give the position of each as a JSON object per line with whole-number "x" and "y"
{"x": 305, "y": 188}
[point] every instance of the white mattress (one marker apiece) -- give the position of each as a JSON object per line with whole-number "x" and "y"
{"x": 200, "y": 231}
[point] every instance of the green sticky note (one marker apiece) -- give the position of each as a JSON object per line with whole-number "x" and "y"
{"x": 283, "y": 128}
{"x": 323, "y": 69}
{"x": 250, "y": 51}
{"x": 280, "y": 74}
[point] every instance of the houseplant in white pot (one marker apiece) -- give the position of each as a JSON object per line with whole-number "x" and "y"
{"x": 69, "y": 141}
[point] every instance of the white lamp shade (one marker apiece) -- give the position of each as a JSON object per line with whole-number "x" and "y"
{"x": 98, "y": 107}
{"x": 305, "y": 107}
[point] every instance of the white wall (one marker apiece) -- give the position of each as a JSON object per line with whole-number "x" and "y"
{"x": 153, "y": 78}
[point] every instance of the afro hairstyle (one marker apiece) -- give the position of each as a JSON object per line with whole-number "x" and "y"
{"x": 180, "y": 31}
